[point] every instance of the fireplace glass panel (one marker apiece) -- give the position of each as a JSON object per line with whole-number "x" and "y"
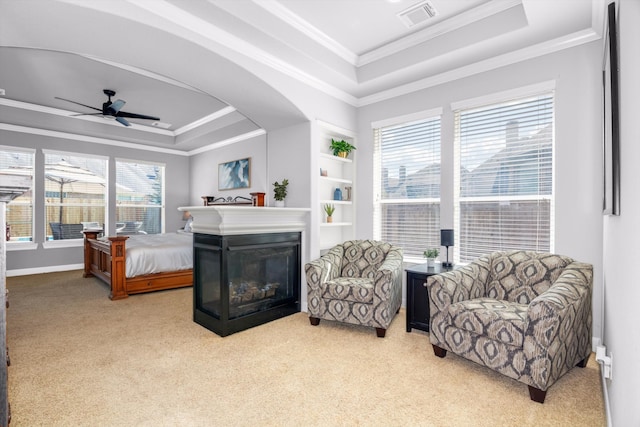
{"x": 259, "y": 278}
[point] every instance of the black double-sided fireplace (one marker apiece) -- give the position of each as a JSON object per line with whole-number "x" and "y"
{"x": 242, "y": 281}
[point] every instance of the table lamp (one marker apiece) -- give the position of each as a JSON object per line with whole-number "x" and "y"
{"x": 446, "y": 240}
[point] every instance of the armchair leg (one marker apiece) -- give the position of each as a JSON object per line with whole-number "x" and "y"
{"x": 583, "y": 362}
{"x": 315, "y": 321}
{"x": 536, "y": 394}
{"x": 381, "y": 332}
{"x": 440, "y": 352}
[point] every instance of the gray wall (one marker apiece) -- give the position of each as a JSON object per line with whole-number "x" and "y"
{"x": 42, "y": 259}
{"x": 576, "y": 72}
{"x": 203, "y": 173}
{"x": 621, "y": 235}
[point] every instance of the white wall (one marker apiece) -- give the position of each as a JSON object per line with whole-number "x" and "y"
{"x": 577, "y": 76}
{"x": 203, "y": 171}
{"x": 621, "y": 235}
{"x": 289, "y": 156}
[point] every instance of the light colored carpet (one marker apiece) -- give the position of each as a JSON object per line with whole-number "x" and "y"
{"x": 79, "y": 359}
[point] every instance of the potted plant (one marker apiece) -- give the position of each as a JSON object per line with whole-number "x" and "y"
{"x": 329, "y": 209}
{"x": 431, "y": 255}
{"x": 280, "y": 192}
{"x": 341, "y": 148}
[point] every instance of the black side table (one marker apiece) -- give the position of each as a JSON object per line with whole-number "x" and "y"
{"x": 417, "y": 296}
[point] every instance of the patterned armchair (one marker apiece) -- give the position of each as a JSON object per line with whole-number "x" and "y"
{"x": 524, "y": 314}
{"x": 358, "y": 282}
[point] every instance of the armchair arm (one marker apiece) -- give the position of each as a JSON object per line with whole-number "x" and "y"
{"x": 389, "y": 275}
{"x": 327, "y": 267}
{"x": 462, "y": 284}
{"x": 558, "y": 326}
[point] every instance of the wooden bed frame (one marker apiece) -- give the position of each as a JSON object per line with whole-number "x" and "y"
{"x": 106, "y": 261}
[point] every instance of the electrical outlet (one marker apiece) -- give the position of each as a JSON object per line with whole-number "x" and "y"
{"x": 605, "y": 361}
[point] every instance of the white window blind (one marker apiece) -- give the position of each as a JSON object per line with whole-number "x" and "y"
{"x": 139, "y": 197}
{"x": 407, "y": 185}
{"x": 20, "y": 210}
{"x": 75, "y": 188}
{"x": 503, "y": 185}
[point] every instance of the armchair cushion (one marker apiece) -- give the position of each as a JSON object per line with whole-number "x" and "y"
{"x": 502, "y": 321}
{"x": 353, "y": 289}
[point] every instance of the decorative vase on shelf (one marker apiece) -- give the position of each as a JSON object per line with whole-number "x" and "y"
{"x": 329, "y": 219}
{"x": 279, "y": 204}
{"x": 337, "y": 194}
{"x": 431, "y": 262}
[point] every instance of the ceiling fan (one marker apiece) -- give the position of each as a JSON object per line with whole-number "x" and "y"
{"x": 112, "y": 109}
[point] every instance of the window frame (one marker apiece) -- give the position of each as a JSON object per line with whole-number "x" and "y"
{"x": 162, "y": 205}
{"x": 541, "y": 89}
{"x": 379, "y": 202}
{"x": 78, "y": 241}
{"x": 18, "y": 245}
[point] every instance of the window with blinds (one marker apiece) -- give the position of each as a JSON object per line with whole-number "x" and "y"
{"x": 19, "y": 213}
{"x": 139, "y": 197}
{"x": 503, "y": 185}
{"x": 407, "y": 185}
{"x": 75, "y": 192}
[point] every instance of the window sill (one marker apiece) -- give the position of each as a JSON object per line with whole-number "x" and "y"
{"x": 71, "y": 243}
{"x": 21, "y": 246}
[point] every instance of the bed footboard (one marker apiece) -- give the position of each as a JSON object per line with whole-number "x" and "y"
{"x": 106, "y": 260}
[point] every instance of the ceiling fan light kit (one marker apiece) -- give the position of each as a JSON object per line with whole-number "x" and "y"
{"x": 112, "y": 110}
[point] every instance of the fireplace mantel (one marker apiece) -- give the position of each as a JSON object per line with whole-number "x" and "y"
{"x": 235, "y": 220}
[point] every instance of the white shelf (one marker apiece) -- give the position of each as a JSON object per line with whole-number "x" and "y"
{"x": 336, "y": 224}
{"x": 335, "y": 158}
{"x": 336, "y": 202}
{"x": 333, "y": 179}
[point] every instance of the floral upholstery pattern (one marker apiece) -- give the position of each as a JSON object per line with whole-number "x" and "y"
{"x": 524, "y": 314}
{"x": 358, "y": 282}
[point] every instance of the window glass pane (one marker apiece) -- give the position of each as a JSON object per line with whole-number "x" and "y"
{"x": 20, "y": 210}
{"x": 75, "y": 194}
{"x": 407, "y": 185}
{"x": 504, "y": 163}
{"x": 139, "y": 197}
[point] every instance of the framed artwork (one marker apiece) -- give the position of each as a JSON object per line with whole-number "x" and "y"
{"x": 234, "y": 174}
{"x": 611, "y": 136}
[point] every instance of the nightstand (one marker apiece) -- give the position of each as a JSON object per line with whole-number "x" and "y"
{"x": 417, "y": 297}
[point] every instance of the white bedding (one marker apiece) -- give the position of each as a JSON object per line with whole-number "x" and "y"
{"x": 158, "y": 253}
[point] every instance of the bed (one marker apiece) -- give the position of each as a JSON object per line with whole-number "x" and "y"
{"x": 139, "y": 263}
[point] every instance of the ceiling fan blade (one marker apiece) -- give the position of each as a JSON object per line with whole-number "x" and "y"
{"x": 85, "y": 114}
{"x": 135, "y": 116}
{"x": 74, "y": 102}
{"x": 123, "y": 121}
{"x": 116, "y": 106}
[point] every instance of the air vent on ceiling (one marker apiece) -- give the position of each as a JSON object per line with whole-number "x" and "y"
{"x": 417, "y": 14}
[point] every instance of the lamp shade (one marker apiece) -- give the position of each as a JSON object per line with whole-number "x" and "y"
{"x": 446, "y": 238}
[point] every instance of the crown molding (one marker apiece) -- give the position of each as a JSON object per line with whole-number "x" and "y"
{"x": 455, "y": 22}
{"x": 87, "y": 138}
{"x": 295, "y": 21}
{"x": 206, "y": 119}
{"x": 566, "y": 42}
{"x": 224, "y": 143}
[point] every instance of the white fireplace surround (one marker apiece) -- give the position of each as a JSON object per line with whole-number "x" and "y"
{"x": 230, "y": 220}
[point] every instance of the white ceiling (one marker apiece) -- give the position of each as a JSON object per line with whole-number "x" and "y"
{"x": 218, "y": 70}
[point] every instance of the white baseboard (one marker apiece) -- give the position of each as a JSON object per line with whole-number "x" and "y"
{"x": 605, "y": 395}
{"x": 41, "y": 270}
